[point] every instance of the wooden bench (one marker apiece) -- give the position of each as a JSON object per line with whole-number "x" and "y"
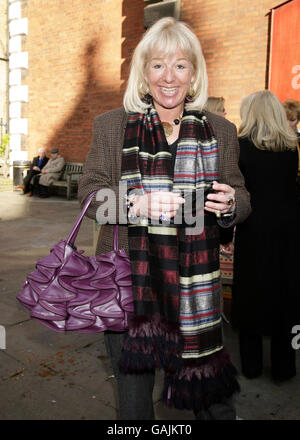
{"x": 69, "y": 178}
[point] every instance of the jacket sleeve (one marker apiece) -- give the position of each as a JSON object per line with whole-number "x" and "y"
{"x": 233, "y": 176}
{"x": 102, "y": 169}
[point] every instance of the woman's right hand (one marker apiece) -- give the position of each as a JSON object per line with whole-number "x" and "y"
{"x": 157, "y": 204}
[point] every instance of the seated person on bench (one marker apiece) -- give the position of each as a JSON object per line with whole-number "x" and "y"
{"x": 49, "y": 174}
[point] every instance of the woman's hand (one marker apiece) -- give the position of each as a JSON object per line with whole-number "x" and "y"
{"x": 157, "y": 205}
{"x": 223, "y": 201}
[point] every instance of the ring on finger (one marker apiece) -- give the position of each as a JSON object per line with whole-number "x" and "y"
{"x": 218, "y": 214}
{"x": 163, "y": 216}
{"x": 229, "y": 200}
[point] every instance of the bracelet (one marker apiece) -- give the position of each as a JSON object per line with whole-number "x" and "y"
{"x": 129, "y": 202}
{"x": 231, "y": 213}
{"x": 228, "y": 214}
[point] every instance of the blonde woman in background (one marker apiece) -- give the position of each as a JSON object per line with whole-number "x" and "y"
{"x": 292, "y": 109}
{"x": 216, "y": 105}
{"x": 266, "y": 269}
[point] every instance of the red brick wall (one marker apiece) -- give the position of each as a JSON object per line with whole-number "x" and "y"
{"x": 234, "y": 38}
{"x": 79, "y": 54}
{"x": 76, "y": 67}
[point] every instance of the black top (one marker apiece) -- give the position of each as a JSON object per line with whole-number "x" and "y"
{"x": 266, "y": 257}
{"x": 173, "y": 151}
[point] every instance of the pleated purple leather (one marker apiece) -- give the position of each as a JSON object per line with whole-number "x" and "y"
{"x": 69, "y": 291}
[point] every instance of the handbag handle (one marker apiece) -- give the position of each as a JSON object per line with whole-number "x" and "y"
{"x": 74, "y": 232}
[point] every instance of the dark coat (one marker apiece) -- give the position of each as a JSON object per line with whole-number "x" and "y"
{"x": 35, "y": 162}
{"x": 103, "y": 167}
{"x": 33, "y": 172}
{"x": 266, "y": 259}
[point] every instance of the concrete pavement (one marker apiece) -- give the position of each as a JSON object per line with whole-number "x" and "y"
{"x": 46, "y": 375}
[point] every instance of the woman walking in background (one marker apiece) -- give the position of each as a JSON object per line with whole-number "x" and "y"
{"x": 266, "y": 258}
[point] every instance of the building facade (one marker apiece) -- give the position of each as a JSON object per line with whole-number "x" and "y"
{"x": 69, "y": 61}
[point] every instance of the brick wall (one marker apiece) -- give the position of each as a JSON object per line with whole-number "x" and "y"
{"x": 79, "y": 54}
{"x": 234, "y": 38}
{"x": 76, "y": 68}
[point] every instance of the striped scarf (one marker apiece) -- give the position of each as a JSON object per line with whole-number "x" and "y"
{"x": 175, "y": 269}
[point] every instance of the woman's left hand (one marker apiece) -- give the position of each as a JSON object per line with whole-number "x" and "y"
{"x": 221, "y": 202}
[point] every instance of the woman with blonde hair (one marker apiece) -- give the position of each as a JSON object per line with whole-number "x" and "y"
{"x": 266, "y": 269}
{"x": 292, "y": 109}
{"x": 166, "y": 150}
{"x": 216, "y": 104}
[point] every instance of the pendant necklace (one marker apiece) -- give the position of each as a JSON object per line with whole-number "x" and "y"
{"x": 168, "y": 127}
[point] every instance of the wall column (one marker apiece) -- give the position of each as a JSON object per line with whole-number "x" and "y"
{"x": 18, "y": 93}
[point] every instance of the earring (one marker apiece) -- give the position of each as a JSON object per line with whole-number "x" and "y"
{"x": 191, "y": 94}
{"x": 145, "y": 93}
{"x": 147, "y": 98}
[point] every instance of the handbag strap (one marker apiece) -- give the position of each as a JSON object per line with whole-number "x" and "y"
{"x": 116, "y": 238}
{"x": 74, "y": 232}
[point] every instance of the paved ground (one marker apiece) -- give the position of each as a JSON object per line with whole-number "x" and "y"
{"x": 51, "y": 376}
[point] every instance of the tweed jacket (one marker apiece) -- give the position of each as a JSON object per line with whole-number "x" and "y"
{"x": 54, "y": 168}
{"x": 103, "y": 168}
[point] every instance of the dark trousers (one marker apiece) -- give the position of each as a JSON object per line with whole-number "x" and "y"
{"x": 224, "y": 410}
{"x": 283, "y": 356}
{"x": 135, "y": 390}
{"x": 37, "y": 188}
{"x": 27, "y": 179}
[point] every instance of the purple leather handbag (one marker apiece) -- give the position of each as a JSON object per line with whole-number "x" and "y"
{"x": 69, "y": 291}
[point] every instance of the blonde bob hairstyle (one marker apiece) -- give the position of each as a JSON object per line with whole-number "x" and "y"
{"x": 265, "y": 123}
{"x": 166, "y": 35}
{"x": 215, "y": 104}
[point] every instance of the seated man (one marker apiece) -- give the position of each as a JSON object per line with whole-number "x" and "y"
{"x": 49, "y": 173}
{"x": 37, "y": 165}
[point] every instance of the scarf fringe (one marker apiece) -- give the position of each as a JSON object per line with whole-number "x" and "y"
{"x": 151, "y": 343}
{"x": 193, "y": 384}
{"x": 198, "y": 392}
